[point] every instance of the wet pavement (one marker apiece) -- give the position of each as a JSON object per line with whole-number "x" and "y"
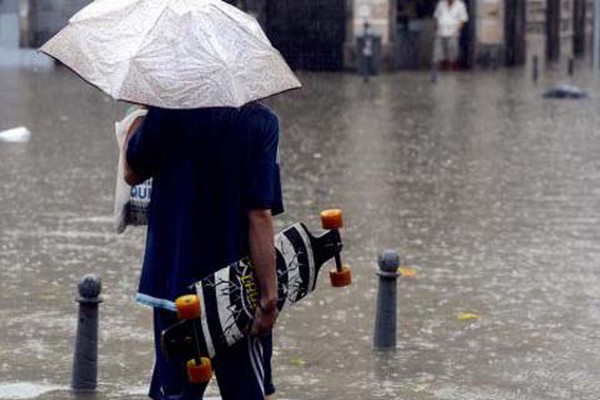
{"x": 490, "y": 192}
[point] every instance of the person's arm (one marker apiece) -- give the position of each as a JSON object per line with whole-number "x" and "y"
{"x": 262, "y": 200}
{"x": 142, "y": 148}
{"x": 131, "y": 177}
{"x": 262, "y": 254}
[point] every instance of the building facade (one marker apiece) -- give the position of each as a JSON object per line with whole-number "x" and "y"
{"x": 559, "y": 28}
{"x": 499, "y": 31}
{"x": 321, "y": 34}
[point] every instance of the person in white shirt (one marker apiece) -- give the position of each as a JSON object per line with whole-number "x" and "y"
{"x": 450, "y": 15}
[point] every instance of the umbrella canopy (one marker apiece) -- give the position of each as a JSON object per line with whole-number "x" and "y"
{"x": 172, "y": 53}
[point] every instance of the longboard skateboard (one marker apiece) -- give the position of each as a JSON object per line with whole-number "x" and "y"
{"x": 221, "y": 311}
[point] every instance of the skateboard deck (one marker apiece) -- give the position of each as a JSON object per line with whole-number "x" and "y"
{"x": 228, "y": 298}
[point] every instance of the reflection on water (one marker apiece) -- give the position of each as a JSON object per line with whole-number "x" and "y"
{"x": 489, "y": 191}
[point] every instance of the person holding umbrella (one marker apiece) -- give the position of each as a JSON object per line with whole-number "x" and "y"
{"x": 211, "y": 148}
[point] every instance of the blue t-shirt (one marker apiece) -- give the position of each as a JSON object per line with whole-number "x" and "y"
{"x": 210, "y": 167}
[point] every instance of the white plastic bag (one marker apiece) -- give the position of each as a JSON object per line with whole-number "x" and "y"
{"x": 15, "y": 135}
{"x": 132, "y": 204}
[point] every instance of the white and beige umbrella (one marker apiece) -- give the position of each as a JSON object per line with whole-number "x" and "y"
{"x": 172, "y": 53}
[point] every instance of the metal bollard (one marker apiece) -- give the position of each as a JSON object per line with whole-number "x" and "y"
{"x": 385, "y": 320}
{"x": 85, "y": 361}
{"x": 535, "y": 73}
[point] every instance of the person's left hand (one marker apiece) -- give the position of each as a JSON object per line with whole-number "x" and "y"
{"x": 130, "y": 176}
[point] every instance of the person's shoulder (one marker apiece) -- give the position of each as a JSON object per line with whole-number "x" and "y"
{"x": 258, "y": 110}
{"x": 158, "y": 113}
{"x": 259, "y": 116}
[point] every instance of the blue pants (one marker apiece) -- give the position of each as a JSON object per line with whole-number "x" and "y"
{"x": 243, "y": 372}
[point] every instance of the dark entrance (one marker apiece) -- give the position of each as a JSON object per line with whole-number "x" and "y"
{"x": 410, "y": 15}
{"x": 467, "y": 46}
{"x": 579, "y": 27}
{"x": 309, "y": 33}
{"x": 514, "y": 24}
{"x": 552, "y": 29}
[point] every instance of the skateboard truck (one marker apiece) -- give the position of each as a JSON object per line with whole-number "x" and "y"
{"x": 341, "y": 276}
{"x": 199, "y": 368}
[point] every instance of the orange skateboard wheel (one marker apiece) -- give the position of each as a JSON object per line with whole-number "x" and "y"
{"x": 188, "y": 307}
{"x": 332, "y": 219}
{"x": 341, "y": 278}
{"x": 199, "y": 373}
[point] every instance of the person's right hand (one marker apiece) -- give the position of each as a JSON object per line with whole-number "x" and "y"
{"x": 133, "y": 127}
{"x": 264, "y": 321}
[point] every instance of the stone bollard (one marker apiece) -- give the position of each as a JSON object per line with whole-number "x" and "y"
{"x": 385, "y": 320}
{"x": 535, "y": 73}
{"x": 85, "y": 368}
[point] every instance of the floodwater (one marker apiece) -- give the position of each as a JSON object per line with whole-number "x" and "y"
{"x": 490, "y": 192}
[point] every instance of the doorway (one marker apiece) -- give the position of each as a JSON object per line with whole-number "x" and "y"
{"x": 552, "y": 30}
{"x": 467, "y": 36}
{"x": 412, "y": 23}
{"x": 514, "y": 24}
{"x": 415, "y": 33}
{"x": 579, "y": 25}
{"x": 310, "y": 34}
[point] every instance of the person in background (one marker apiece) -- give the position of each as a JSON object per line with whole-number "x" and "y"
{"x": 367, "y": 52}
{"x": 450, "y": 17}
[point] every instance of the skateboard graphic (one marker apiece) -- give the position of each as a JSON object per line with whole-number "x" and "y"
{"x": 221, "y": 312}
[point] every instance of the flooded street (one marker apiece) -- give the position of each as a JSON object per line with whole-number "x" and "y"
{"x": 490, "y": 192}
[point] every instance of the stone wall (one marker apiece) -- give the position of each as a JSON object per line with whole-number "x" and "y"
{"x": 536, "y": 28}
{"x": 490, "y": 22}
{"x": 489, "y": 27}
